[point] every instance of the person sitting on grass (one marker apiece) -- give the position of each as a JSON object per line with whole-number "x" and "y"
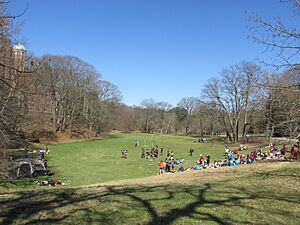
{"x": 181, "y": 169}
{"x": 237, "y": 162}
{"x": 225, "y": 162}
{"x": 236, "y": 151}
{"x": 217, "y": 163}
{"x": 230, "y": 162}
{"x": 196, "y": 167}
{"x": 201, "y": 159}
{"x": 249, "y": 159}
{"x": 242, "y": 159}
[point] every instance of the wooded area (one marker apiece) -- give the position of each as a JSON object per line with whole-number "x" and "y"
{"x": 40, "y": 97}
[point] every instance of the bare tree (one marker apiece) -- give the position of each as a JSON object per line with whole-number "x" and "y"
{"x": 282, "y": 91}
{"x": 277, "y": 37}
{"x": 163, "y": 109}
{"x": 149, "y": 109}
{"x": 13, "y": 84}
{"x": 232, "y": 95}
{"x": 189, "y": 104}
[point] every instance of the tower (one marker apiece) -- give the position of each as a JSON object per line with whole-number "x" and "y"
{"x": 19, "y": 55}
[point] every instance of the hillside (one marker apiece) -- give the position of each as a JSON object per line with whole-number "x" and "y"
{"x": 262, "y": 193}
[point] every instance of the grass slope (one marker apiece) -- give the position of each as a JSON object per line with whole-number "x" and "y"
{"x": 96, "y": 161}
{"x": 262, "y": 193}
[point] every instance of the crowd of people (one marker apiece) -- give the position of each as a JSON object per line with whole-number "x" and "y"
{"x": 232, "y": 158}
{"x": 170, "y": 163}
{"x": 151, "y": 153}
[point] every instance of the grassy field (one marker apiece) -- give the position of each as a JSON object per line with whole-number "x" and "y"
{"x": 96, "y": 161}
{"x": 105, "y": 189}
{"x": 262, "y": 193}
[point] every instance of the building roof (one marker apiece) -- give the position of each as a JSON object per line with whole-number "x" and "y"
{"x": 19, "y": 46}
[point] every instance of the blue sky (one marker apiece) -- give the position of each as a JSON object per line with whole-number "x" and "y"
{"x": 160, "y": 49}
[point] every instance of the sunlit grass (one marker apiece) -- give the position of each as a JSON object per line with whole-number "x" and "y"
{"x": 96, "y": 161}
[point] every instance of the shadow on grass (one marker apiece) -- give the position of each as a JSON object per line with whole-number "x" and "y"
{"x": 8, "y": 183}
{"x": 207, "y": 203}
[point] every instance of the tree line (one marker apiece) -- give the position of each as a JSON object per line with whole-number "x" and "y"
{"x": 44, "y": 96}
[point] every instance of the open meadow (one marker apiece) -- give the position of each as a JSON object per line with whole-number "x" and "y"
{"x": 103, "y": 188}
{"x": 97, "y": 161}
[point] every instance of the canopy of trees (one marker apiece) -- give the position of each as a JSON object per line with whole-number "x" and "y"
{"x": 56, "y": 94}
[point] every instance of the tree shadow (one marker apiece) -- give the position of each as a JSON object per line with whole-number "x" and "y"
{"x": 151, "y": 205}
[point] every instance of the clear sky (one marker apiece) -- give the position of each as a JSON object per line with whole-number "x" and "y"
{"x": 160, "y": 49}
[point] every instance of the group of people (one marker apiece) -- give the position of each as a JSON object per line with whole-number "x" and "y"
{"x": 49, "y": 183}
{"x": 203, "y": 161}
{"x": 124, "y": 153}
{"x": 152, "y": 153}
{"x": 168, "y": 166}
{"x": 232, "y": 158}
{"x": 201, "y": 140}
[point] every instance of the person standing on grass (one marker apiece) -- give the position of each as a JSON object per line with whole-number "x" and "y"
{"x": 162, "y": 166}
{"x": 161, "y": 151}
{"x": 143, "y": 153}
{"x": 208, "y": 159}
{"x": 191, "y": 151}
{"x": 136, "y": 143}
{"x": 226, "y": 150}
{"x": 169, "y": 165}
{"x": 172, "y": 154}
{"x": 294, "y": 152}
{"x": 168, "y": 154}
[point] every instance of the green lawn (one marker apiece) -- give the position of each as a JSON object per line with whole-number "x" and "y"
{"x": 229, "y": 196}
{"x": 261, "y": 193}
{"x": 96, "y": 161}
